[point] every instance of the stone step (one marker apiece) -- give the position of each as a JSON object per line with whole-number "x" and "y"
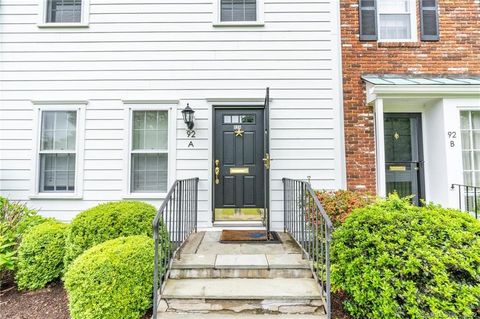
{"x": 243, "y": 289}
{"x": 174, "y": 315}
{"x": 277, "y": 296}
{"x": 240, "y": 266}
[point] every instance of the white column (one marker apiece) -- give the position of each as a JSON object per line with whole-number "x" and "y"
{"x": 380, "y": 148}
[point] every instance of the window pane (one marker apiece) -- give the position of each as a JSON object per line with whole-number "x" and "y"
{"x": 57, "y": 172}
{"x": 467, "y": 162}
{"x": 393, "y": 6}
{"x": 476, "y": 140}
{"x": 466, "y": 143}
{"x": 151, "y": 120}
{"x": 64, "y": 10}
{"x": 149, "y": 173}
{"x": 395, "y": 26}
{"x": 60, "y": 140}
{"x": 151, "y": 139}
{"x": 58, "y": 130}
{"x": 464, "y": 120}
{"x": 475, "y": 120}
{"x": 150, "y": 130}
{"x": 467, "y": 178}
{"x": 476, "y": 161}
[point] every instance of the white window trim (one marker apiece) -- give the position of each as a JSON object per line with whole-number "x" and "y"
{"x": 217, "y": 22}
{"x": 413, "y": 25}
{"x": 79, "y": 149}
{"x": 42, "y": 17}
{"x": 171, "y": 148}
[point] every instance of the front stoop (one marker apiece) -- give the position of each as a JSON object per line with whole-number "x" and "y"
{"x": 262, "y": 279}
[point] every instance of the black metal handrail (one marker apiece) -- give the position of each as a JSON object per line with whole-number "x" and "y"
{"x": 176, "y": 220}
{"x": 470, "y": 197}
{"x": 307, "y": 222}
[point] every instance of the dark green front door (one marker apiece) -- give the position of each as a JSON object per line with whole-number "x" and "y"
{"x": 404, "y": 155}
{"x": 238, "y": 160}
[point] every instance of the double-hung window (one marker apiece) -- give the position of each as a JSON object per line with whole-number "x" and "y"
{"x": 395, "y": 19}
{"x": 470, "y": 129}
{"x": 149, "y": 152}
{"x": 238, "y": 10}
{"x": 62, "y": 13}
{"x": 58, "y": 148}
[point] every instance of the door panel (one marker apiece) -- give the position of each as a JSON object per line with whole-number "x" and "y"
{"x": 404, "y": 155}
{"x": 239, "y": 151}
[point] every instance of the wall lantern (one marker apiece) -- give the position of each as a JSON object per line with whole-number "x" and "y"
{"x": 187, "y": 114}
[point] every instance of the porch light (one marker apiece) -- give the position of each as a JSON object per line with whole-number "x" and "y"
{"x": 187, "y": 114}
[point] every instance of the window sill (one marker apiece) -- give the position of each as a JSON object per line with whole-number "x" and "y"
{"x": 159, "y": 196}
{"x": 63, "y": 25}
{"x": 399, "y": 44}
{"x": 239, "y": 24}
{"x": 55, "y": 196}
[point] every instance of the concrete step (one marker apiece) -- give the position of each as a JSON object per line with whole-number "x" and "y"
{"x": 235, "y": 288}
{"x": 277, "y": 296}
{"x": 175, "y": 315}
{"x": 240, "y": 266}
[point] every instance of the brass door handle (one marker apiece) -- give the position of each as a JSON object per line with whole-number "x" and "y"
{"x": 266, "y": 161}
{"x": 217, "y": 172}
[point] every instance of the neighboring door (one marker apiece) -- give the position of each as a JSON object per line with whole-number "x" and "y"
{"x": 404, "y": 155}
{"x": 238, "y": 163}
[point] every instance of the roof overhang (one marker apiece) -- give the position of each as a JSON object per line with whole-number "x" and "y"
{"x": 408, "y": 87}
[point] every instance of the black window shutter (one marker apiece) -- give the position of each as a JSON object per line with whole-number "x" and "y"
{"x": 429, "y": 19}
{"x": 368, "y": 20}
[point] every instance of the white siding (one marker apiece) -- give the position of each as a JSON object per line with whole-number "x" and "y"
{"x": 169, "y": 50}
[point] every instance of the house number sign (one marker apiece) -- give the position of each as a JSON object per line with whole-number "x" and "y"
{"x": 191, "y": 134}
{"x": 452, "y": 135}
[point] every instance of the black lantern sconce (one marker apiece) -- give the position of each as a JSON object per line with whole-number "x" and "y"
{"x": 188, "y": 117}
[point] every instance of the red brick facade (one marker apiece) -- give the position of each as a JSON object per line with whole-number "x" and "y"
{"x": 457, "y": 52}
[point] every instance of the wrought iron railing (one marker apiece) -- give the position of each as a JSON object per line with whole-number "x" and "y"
{"x": 468, "y": 199}
{"x": 309, "y": 225}
{"x": 175, "y": 221}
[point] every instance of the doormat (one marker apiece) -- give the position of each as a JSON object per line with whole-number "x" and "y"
{"x": 249, "y": 236}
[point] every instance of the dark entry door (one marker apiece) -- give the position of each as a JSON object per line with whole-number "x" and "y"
{"x": 404, "y": 155}
{"x": 238, "y": 161}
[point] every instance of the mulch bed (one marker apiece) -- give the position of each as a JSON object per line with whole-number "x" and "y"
{"x": 48, "y": 303}
{"x": 337, "y": 306}
{"x": 52, "y": 303}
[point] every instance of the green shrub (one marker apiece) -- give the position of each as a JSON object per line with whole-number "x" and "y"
{"x": 395, "y": 260}
{"x": 339, "y": 204}
{"x": 112, "y": 280}
{"x": 108, "y": 221}
{"x": 40, "y": 255}
{"x": 15, "y": 219}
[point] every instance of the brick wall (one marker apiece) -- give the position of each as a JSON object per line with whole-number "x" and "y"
{"x": 457, "y": 52}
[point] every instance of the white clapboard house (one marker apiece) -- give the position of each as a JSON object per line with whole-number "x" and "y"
{"x": 92, "y": 94}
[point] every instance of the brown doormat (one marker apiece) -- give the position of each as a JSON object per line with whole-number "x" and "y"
{"x": 230, "y": 235}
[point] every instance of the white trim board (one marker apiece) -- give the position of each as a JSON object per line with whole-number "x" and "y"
{"x": 432, "y": 91}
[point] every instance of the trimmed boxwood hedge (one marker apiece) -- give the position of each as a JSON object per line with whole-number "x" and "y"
{"x": 395, "y": 260}
{"x": 112, "y": 280}
{"x": 107, "y": 221}
{"x": 40, "y": 255}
